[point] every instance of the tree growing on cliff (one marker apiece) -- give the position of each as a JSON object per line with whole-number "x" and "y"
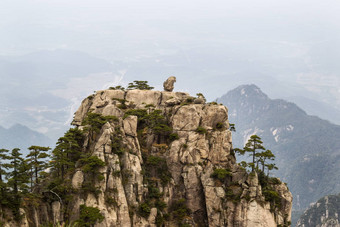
{"x": 3, "y": 173}
{"x": 36, "y": 161}
{"x": 17, "y": 180}
{"x": 139, "y": 84}
{"x": 67, "y": 151}
{"x": 260, "y": 156}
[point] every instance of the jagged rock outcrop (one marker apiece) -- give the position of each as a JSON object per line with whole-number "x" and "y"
{"x": 324, "y": 213}
{"x": 161, "y": 151}
{"x": 169, "y": 84}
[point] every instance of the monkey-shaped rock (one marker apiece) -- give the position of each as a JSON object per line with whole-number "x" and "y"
{"x": 169, "y": 84}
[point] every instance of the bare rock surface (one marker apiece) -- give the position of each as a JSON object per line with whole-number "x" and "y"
{"x": 169, "y": 83}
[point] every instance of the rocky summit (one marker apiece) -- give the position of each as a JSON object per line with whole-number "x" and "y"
{"x": 162, "y": 158}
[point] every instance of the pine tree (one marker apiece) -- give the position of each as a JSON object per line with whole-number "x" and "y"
{"x": 253, "y": 144}
{"x": 3, "y": 174}
{"x": 17, "y": 180}
{"x": 67, "y": 151}
{"x": 37, "y": 161}
{"x": 139, "y": 84}
{"x": 260, "y": 156}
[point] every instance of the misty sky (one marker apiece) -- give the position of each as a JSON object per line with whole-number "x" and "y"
{"x": 287, "y": 47}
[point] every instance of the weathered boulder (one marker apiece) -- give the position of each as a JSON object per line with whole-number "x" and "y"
{"x": 169, "y": 83}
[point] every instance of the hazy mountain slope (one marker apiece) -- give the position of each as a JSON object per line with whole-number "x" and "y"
{"x": 324, "y": 213}
{"x": 317, "y": 108}
{"x": 22, "y": 137}
{"x": 39, "y": 89}
{"x": 307, "y": 147}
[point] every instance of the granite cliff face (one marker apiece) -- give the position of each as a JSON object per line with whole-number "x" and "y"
{"x": 168, "y": 162}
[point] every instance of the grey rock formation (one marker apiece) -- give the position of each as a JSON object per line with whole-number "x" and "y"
{"x": 324, "y": 213}
{"x": 153, "y": 177}
{"x": 169, "y": 84}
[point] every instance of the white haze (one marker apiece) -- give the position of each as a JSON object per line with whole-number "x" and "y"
{"x": 290, "y": 48}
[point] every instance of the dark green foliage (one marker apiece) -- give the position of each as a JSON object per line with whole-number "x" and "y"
{"x": 89, "y": 216}
{"x": 144, "y": 210}
{"x": 96, "y": 121}
{"x": 159, "y": 220}
{"x": 201, "y": 130}
{"x": 173, "y": 137}
{"x": 3, "y": 173}
{"x": 67, "y": 152}
{"x": 161, "y": 205}
{"x": 36, "y": 161}
{"x": 122, "y": 104}
{"x": 110, "y": 201}
{"x": 219, "y": 125}
{"x": 117, "y": 88}
{"x": 140, "y": 113}
{"x": 17, "y": 180}
{"x": 149, "y": 106}
{"x": 190, "y": 100}
{"x": 273, "y": 197}
{"x": 268, "y": 191}
{"x": 153, "y": 120}
{"x": 231, "y": 196}
{"x": 158, "y": 124}
{"x": 154, "y": 192}
{"x": 201, "y": 95}
{"x": 232, "y": 127}
{"x": 89, "y": 187}
{"x": 91, "y": 164}
{"x": 179, "y": 210}
{"x": 90, "y": 97}
{"x": 139, "y": 84}
{"x": 157, "y": 167}
{"x": 260, "y": 156}
{"x": 221, "y": 174}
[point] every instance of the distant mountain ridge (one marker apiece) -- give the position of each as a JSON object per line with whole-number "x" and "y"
{"x": 307, "y": 148}
{"x": 324, "y": 213}
{"x": 20, "y": 136}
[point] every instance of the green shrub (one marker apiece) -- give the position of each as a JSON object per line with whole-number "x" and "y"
{"x": 96, "y": 121}
{"x": 161, "y": 205}
{"x": 91, "y": 164}
{"x": 88, "y": 187}
{"x": 154, "y": 192}
{"x": 190, "y": 100}
{"x": 117, "y": 88}
{"x": 173, "y": 136}
{"x": 110, "y": 201}
{"x": 89, "y": 216}
{"x": 201, "y": 130}
{"x": 144, "y": 210}
{"x": 140, "y": 113}
{"x": 229, "y": 194}
{"x": 159, "y": 220}
{"x": 221, "y": 174}
{"x": 201, "y": 95}
{"x": 219, "y": 125}
{"x": 179, "y": 210}
{"x": 157, "y": 167}
{"x": 139, "y": 84}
